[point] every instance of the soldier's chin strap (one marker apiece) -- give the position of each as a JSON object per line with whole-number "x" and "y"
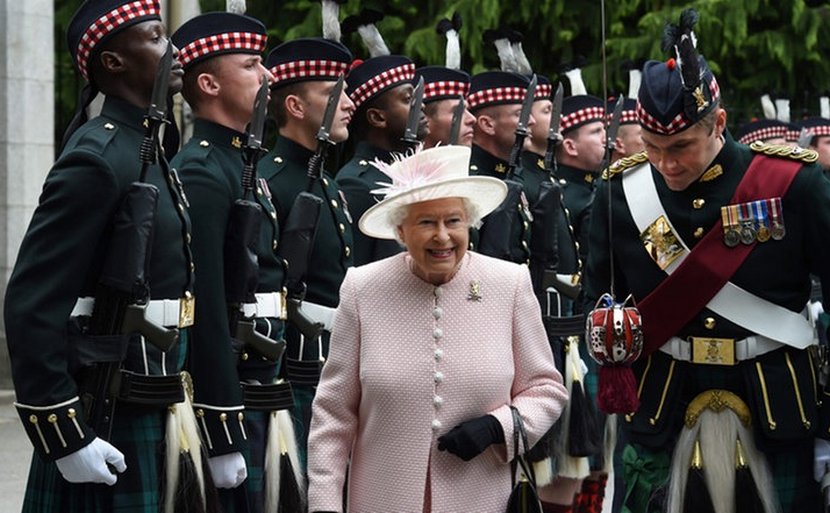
{"x": 85, "y": 97}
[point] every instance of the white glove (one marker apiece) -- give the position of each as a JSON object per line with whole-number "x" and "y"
{"x": 228, "y": 470}
{"x": 89, "y": 465}
{"x": 821, "y": 458}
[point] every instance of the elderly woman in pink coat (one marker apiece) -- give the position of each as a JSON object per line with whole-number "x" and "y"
{"x": 430, "y": 349}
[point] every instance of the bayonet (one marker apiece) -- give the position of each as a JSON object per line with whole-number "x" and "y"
{"x": 554, "y": 131}
{"x": 253, "y": 145}
{"x": 457, "y": 117}
{"x": 156, "y": 113}
{"x": 315, "y": 163}
{"x": 521, "y": 127}
{"x": 410, "y": 135}
{"x": 804, "y": 137}
{"x": 611, "y": 131}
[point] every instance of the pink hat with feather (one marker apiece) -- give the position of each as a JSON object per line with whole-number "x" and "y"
{"x": 435, "y": 173}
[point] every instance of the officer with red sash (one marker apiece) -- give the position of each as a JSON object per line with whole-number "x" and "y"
{"x": 715, "y": 242}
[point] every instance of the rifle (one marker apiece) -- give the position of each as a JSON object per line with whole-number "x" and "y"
{"x": 241, "y": 269}
{"x": 300, "y": 227}
{"x": 123, "y": 292}
{"x": 521, "y": 127}
{"x": 457, "y": 116}
{"x": 544, "y": 240}
{"x": 410, "y": 135}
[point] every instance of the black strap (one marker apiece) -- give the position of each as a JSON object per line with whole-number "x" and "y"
{"x": 564, "y": 326}
{"x": 519, "y": 460}
{"x": 150, "y": 390}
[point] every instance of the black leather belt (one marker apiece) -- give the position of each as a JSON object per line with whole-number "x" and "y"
{"x": 272, "y": 397}
{"x": 564, "y": 326}
{"x": 303, "y": 372}
{"x": 150, "y": 390}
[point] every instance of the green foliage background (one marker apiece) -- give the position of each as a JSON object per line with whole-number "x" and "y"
{"x": 780, "y": 47}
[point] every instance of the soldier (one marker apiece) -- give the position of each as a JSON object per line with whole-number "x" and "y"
{"x": 235, "y": 385}
{"x": 61, "y": 358}
{"x": 727, "y": 351}
{"x": 629, "y": 141}
{"x": 819, "y": 131}
{"x": 306, "y": 71}
{"x": 580, "y": 155}
{"x": 496, "y": 101}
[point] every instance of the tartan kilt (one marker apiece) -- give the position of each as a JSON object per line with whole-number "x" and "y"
{"x": 138, "y": 432}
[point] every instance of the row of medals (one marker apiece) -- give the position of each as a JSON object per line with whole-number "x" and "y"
{"x": 746, "y": 223}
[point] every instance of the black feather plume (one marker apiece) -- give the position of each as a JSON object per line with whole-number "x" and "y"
{"x": 444, "y": 26}
{"x": 491, "y": 35}
{"x": 514, "y": 35}
{"x": 456, "y": 21}
{"x": 350, "y": 24}
{"x": 370, "y": 16}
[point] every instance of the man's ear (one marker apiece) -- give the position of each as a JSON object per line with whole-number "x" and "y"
{"x": 376, "y": 117}
{"x": 294, "y": 106}
{"x": 569, "y": 145}
{"x": 208, "y": 84}
{"x": 486, "y": 124}
{"x": 111, "y": 61}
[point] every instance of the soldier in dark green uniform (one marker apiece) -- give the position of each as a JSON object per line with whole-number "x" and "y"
{"x": 819, "y": 128}
{"x": 116, "y": 46}
{"x": 235, "y": 387}
{"x": 726, "y": 371}
{"x": 579, "y": 157}
{"x": 305, "y": 72}
{"x": 381, "y": 89}
{"x": 496, "y": 101}
{"x": 771, "y": 131}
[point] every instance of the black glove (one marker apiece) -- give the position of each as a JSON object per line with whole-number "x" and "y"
{"x": 469, "y": 439}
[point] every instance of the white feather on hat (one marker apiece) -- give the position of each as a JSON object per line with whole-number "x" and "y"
{"x": 824, "y": 107}
{"x": 635, "y": 77}
{"x": 331, "y": 20}
{"x": 577, "y": 84}
{"x": 236, "y": 6}
{"x": 768, "y": 107}
{"x": 782, "y": 107}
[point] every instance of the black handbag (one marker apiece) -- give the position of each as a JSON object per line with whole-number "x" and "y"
{"x": 524, "y": 498}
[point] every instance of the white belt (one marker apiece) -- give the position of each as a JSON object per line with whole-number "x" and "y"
{"x": 711, "y": 349}
{"x": 268, "y": 304}
{"x": 164, "y": 312}
{"x": 319, "y": 313}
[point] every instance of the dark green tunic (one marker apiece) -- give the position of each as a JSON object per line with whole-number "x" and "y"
{"x": 483, "y": 163}
{"x": 578, "y": 190}
{"x": 778, "y": 271}
{"x": 357, "y": 178}
{"x": 60, "y": 260}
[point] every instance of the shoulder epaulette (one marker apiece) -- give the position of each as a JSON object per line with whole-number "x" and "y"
{"x": 624, "y": 163}
{"x": 97, "y": 137}
{"x": 784, "y": 151}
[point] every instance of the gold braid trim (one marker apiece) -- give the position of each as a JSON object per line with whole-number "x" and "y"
{"x": 717, "y": 401}
{"x": 624, "y": 163}
{"x": 783, "y": 151}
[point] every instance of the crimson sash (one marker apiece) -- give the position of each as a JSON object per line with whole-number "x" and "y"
{"x": 711, "y": 263}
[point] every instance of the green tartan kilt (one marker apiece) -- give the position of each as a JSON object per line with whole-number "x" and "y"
{"x": 138, "y": 433}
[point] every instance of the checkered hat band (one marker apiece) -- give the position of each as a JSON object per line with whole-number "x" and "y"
{"x": 496, "y": 95}
{"x": 309, "y": 69}
{"x": 543, "y": 92}
{"x": 679, "y": 122}
{"x": 445, "y": 88}
{"x": 627, "y": 117}
{"x": 792, "y": 135}
{"x": 400, "y": 74}
{"x": 762, "y": 134}
{"x": 582, "y": 116}
{"x": 248, "y": 42}
{"x": 820, "y": 130}
{"x": 109, "y": 22}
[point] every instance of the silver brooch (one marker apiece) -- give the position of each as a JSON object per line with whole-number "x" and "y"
{"x": 475, "y": 291}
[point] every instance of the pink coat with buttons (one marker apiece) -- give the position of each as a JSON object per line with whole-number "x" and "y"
{"x": 408, "y": 362}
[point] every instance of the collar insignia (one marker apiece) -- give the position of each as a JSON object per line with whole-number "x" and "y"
{"x": 712, "y": 173}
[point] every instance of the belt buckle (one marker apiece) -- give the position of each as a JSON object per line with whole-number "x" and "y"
{"x": 713, "y": 351}
{"x": 187, "y": 309}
